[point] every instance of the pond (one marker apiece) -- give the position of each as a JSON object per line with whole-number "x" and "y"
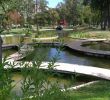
{"x": 66, "y": 56}
{"x": 63, "y": 55}
{"x": 8, "y": 52}
{"x": 46, "y": 54}
{"x": 100, "y": 45}
{"x": 62, "y": 80}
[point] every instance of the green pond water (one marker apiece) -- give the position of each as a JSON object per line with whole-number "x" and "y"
{"x": 6, "y": 53}
{"x": 105, "y": 46}
{"x": 61, "y": 81}
{"x": 65, "y": 56}
{"x": 18, "y": 78}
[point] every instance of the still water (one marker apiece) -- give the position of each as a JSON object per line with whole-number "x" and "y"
{"x": 18, "y": 78}
{"x": 61, "y": 81}
{"x": 6, "y": 53}
{"x": 62, "y": 55}
{"x": 102, "y": 45}
{"x": 66, "y": 56}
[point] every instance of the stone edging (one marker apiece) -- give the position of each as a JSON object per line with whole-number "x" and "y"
{"x": 48, "y": 38}
{"x": 79, "y": 86}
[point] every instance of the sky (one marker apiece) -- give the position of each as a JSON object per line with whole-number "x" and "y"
{"x": 53, "y": 3}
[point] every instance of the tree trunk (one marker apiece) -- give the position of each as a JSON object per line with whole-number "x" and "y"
{"x": 105, "y": 18}
{"x": 109, "y": 15}
{"x": 101, "y": 20}
{"x": 105, "y": 23}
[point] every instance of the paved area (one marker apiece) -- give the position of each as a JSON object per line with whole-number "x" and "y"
{"x": 55, "y": 29}
{"x": 16, "y": 56}
{"x": 48, "y": 38}
{"x": 67, "y": 68}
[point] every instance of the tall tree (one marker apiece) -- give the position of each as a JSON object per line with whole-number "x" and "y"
{"x": 71, "y": 11}
{"x": 68, "y": 11}
{"x": 24, "y": 7}
{"x": 103, "y": 6}
{"x": 43, "y": 5}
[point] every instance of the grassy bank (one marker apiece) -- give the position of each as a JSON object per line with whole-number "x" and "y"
{"x": 91, "y": 34}
{"x": 97, "y": 91}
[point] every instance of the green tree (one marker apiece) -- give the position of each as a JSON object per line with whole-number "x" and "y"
{"x": 54, "y": 16}
{"x": 43, "y": 5}
{"x": 103, "y": 7}
{"x": 61, "y": 9}
{"x": 68, "y": 11}
{"x": 71, "y": 11}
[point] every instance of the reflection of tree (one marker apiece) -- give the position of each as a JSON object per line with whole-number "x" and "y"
{"x": 54, "y": 16}
{"x": 40, "y": 53}
{"x": 104, "y": 63}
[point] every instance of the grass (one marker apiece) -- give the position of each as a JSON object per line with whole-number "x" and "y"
{"x": 97, "y": 91}
{"x": 23, "y": 31}
{"x": 45, "y": 33}
{"x": 91, "y": 34}
{"x": 80, "y": 34}
{"x": 50, "y": 33}
{"x": 15, "y": 31}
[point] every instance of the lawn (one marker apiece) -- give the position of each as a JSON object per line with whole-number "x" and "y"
{"x": 97, "y": 91}
{"x": 45, "y": 33}
{"x": 15, "y": 31}
{"x": 90, "y": 34}
{"x": 79, "y": 34}
{"x": 41, "y": 34}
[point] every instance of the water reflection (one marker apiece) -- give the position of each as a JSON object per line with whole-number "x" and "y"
{"x": 18, "y": 80}
{"x": 66, "y": 56}
{"x": 6, "y": 53}
{"x": 105, "y": 45}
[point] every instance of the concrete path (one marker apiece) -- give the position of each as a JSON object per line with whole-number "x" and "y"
{"x": 65, "y": 29}
{"x": 87, "y": 70}
{"x": 69, "y": 68}
{"x": 16, "y": 56}
{"x": 79, "y": 86}
{"x": 48, "y": 38}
